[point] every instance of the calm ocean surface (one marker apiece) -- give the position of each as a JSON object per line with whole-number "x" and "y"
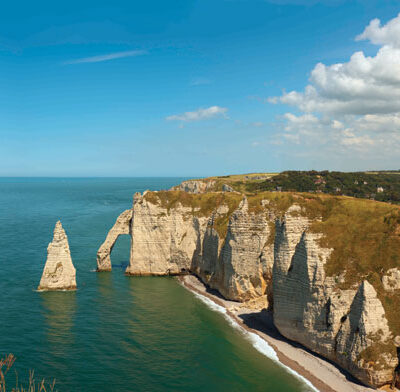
{"x": 115, "y": 333}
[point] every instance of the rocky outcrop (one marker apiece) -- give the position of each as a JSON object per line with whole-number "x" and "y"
{"x": 163, "y": 242}
{"x": 59, "y": 273}
{"x": 242, "y": 269}
{"x": 227, "y": 188}
{"x": 310, "y": 308}
{"x": 195, "y": 186}
{"x": 391, "y": 280}
{"x": 365, "y": 328}
{"x": 170, "y": 242}
{"x": 262, "y": 251}
{"x": 121, "y": 226}
{"x": 178, "y": 240}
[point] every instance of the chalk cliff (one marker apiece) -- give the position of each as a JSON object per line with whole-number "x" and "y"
{"x": 195, "y": 186}
{"x": 121, "y": 226}
{"x": 310, "y": 308}
{"x": 59, "y": 273}
{"x": 282, "y": 251}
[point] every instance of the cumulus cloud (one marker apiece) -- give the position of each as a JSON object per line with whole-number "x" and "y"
{"x": 389, "y": 34}
{"x": 199, "y": 114}
{"x": 364, "y": 85}
{"x": 107, "y": 57}
{"x": 351, "y": 104}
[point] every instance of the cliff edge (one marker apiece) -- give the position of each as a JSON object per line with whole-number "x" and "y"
{"x": 326, "y": 266}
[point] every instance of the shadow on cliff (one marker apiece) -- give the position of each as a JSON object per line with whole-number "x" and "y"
{"x": 263, "y": 322}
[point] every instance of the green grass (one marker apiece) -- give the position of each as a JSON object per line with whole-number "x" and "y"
{"x": 239, "y": 182}
{"x": 364, "y": 234}
{"x": 375, "y": 355}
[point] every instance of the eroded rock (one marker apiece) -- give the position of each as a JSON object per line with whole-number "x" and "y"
{"x": 348, "y": 326}
{"x": 391, "y": 280}
{"x": 195, "y": 186}
{"x": 121, "y": 226}
{"x": 251, "y": 254}
{"x": 163, "y": 242}
{"x": 59, "y": 273}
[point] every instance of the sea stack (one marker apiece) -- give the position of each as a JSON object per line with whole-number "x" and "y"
{"x": 59, "y": 273}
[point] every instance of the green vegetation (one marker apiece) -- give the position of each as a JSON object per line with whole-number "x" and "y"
{"x": 364, "y": 234}
{"x": 377, "y": 351}
{"x": 380, "y": 186}
{"x": 238, "y": 181}
{"x": 376, "y": 185}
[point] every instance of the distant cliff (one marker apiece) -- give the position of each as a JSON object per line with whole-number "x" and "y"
{"x": 327, "y": 267}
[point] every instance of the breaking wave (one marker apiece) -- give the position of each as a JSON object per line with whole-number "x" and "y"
{"x": 258, "y": 343}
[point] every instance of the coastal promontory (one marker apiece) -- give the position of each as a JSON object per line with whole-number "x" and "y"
{"x": 326, "y": 267}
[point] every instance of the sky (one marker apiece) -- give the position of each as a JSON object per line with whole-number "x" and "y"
{"x": 198, "y": 88}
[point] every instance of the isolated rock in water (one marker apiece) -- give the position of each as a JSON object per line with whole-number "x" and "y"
{"x": 59, "y": 273}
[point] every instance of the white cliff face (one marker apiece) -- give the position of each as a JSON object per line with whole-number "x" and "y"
{"x": 195, "y": 186}
{"x": 263, "y": 256}
{"x": 309, "y": 307}
{"x": 364, "y": 327}
{"x": 59, "y": 273}
{"x": 121, "y": 226}
{"x": 163, "y": 242}
{"x": 169, "y": 242}
{"x": 243, "y": 267}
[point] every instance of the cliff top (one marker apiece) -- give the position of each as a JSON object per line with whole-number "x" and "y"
{"x": 364, "y": 234}
{"x": 376, "y": 185}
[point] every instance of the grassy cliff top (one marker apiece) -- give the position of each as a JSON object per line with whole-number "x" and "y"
{"x": 377, "y": 185}
{"x": 364, "y": 234}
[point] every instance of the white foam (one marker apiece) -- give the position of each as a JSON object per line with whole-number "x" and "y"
{"x": 258, "y": 343}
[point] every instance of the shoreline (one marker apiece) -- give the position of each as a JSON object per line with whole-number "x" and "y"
{"x": 316, "y": 371}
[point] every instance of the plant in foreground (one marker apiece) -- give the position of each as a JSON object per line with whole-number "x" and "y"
{"x": 6, "y": 364}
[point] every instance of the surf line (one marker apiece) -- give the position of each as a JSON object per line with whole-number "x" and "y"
{"x": 257, "y": 341}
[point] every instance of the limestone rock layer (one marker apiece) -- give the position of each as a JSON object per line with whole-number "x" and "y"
{"x": 252, "y": 252}
{"x": 59, "y": 273}
{"x": 121, "y": 226}
{"x": 346, "y": 326}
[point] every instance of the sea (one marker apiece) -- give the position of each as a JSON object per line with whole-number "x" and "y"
{"x": 115, "y": 333}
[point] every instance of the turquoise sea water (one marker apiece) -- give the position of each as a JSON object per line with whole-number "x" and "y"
{"x": 115, "y": 333}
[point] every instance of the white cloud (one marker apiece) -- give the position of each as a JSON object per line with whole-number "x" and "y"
{"x": 388, "y": 34}
{"x": 351, "y": 105}
{"x": 350, "y": 139}
{"x": 107, "y": 57}
{"x": 199, "y": 114}
{"x": 364, "y": 85}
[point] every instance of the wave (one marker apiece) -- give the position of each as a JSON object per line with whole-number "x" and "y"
{"x": 257, "y": 342}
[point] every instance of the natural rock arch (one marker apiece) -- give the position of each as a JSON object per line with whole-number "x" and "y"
{"x": 121, "y": 226}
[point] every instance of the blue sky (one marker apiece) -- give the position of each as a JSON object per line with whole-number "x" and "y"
{"x": 195, "y": 88}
